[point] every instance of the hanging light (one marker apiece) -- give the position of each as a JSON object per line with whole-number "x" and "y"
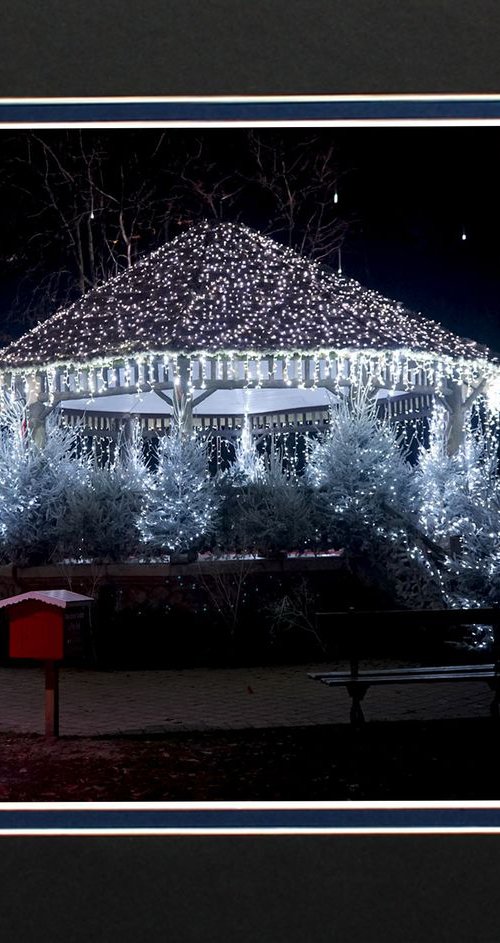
{"x": 493, "y": 394}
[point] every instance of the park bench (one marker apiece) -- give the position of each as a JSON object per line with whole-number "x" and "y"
{"x": 357, "y": 682}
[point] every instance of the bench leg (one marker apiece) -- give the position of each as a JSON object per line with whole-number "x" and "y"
{"x": 357, "y": 693}
{"x": 356, "y": 715}
{"x": 495, "y": 704}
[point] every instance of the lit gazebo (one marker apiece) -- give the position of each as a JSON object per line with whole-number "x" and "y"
{"x": 247, "y": 330}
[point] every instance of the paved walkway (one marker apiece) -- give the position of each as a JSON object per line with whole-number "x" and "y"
{"x": 148, "y": 702}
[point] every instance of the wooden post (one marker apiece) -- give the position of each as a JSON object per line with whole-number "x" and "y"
{"x": 458, "y": 410}
{"x": 37, "y": 415}
{"x": 51, "y": 699}
{"x": 125, "y": 437}
{"x": 456, "y": 418}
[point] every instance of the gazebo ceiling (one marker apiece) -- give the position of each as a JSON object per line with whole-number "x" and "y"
{"x": 225, "y": 287}
{"x": 236, "y": 402}
{"x": 133, "y": 404}
{"x": 258, "y": 401}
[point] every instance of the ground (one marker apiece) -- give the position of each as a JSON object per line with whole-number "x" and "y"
{"x": 445, "y": 759}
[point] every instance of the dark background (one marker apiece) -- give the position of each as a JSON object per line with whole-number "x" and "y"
{"x": 415, "y": 191}
{"x": 249, "y": 47}
{"x": 288, "y": 889}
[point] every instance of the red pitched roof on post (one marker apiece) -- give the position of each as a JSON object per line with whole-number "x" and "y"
{"x": 61, "y": 598}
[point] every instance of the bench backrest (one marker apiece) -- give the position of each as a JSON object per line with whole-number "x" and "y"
{"x": 363, "y": 620}
{"x": 415, "y": 617}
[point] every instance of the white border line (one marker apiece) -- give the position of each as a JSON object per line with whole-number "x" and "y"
{"x": 235, "y": 832}
{"x": 249, "y": 99}
{"x": 339, "y": 805}
{"x": 284, "y": 123}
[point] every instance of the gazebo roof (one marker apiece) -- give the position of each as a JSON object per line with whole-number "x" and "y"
{"x": 225, "y": 287}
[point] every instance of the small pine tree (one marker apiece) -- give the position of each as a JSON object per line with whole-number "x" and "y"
{"x": 248, "y": 465}
{"x": 105, "y": 505}
{"x": 246, "y": 468}
{"x": 35, "y": 482}
{"x": 360, "y": 475}
{"x": 460, "y": 498}
{"x": 366, "y": 501}
{"x": 181, "y": 497}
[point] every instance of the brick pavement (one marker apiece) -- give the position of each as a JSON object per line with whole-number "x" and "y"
{"x": 98, "y": 702}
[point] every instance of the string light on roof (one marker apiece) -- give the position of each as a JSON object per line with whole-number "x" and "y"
{"x": 224, "y": 289}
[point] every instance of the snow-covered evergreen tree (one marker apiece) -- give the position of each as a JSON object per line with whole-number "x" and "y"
{"x": 105, "y": 505}
{"x": 359, "y": 472}
{"x": 35, "y": 482}
{"x": 57, "y": 502}
{"x": 456, "y": 491}
{"x": 181, "y": 496}
{"x": 460, "y": 498}
{"x": 248, "y": 465}
{"x": 366, "y": 500}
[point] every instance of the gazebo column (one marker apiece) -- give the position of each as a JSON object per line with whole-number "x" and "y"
{"x": 457, "y": 409}
{"x": 456, "y": 413}
{"x": 36, "y": 410}
{"x": 37, "y": 415}
{"x": 125, "y": 436}
{"x": 182, "y": 398}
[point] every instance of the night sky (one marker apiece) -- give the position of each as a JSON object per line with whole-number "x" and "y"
{"x": 407, "y": 195}
{"x": 414, "y": 191}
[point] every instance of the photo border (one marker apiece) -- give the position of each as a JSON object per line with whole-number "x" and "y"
{"x": 251, "y": 818}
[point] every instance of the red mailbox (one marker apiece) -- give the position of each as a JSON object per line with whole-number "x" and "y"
{"x": 47, "y": 626}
